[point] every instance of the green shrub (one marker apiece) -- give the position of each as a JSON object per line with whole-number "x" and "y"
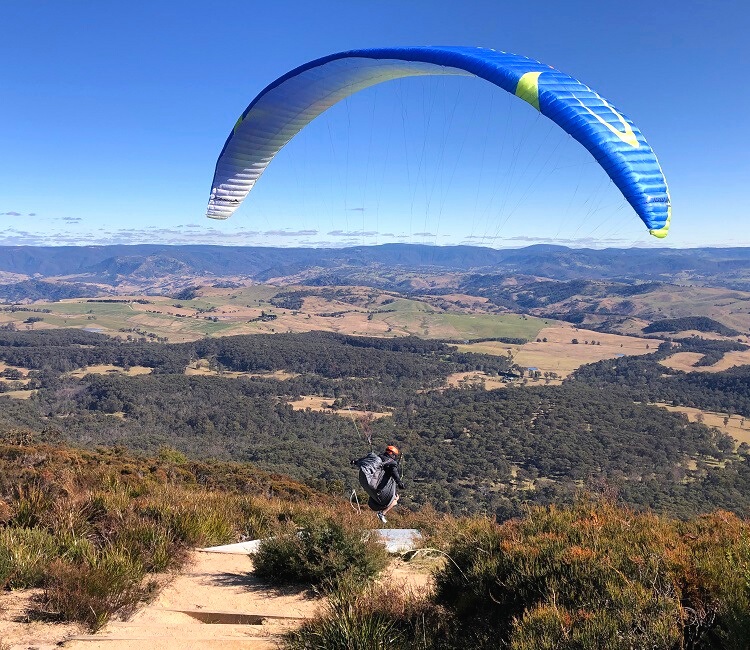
{"x": 32, "y": 502}
{"x": 719, "y": 585}
{"x": 599, "y": 576}
{"x": 6, "y": 566}
{"x": 193, "y": 518}
{"x": 150, "y": 544}
{"x": 371, "y": 617}
{"x": 24, "y": 556}
{"x": 92, "y": 591}
{"x": 319, "y": 554}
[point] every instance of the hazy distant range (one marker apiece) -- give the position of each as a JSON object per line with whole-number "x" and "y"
{"x": 112, "y": 265}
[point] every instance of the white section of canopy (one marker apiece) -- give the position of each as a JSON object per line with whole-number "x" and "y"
{"x": 284, "y": 110}
{"x": 241, "y": 548}
{"x": 396, "y": 540}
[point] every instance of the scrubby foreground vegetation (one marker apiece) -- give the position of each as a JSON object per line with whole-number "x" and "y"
{"x": 94, "y": 528}
{"x": 594, "y": 575}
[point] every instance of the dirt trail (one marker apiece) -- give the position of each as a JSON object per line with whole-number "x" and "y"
{"x": 215, "y": 602}
{"x": 17, "y": 632}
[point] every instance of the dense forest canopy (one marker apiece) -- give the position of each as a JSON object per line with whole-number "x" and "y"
{"x": 466, "y": 450}
{"x": 699, "y": 323}
{"x": 644, "y": 379}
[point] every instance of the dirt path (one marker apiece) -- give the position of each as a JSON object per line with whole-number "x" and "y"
{"x": 215, "y": 602}
{"x": 17, "y": 632}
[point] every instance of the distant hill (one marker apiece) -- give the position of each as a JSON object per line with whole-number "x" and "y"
{"x": 42, "y": 290}
{"x": 699, "y": 323}
{"x": 725, "y": 267}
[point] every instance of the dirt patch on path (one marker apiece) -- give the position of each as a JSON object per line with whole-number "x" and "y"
{"x": 215, "y": 602}
{"x": 18, "y": 632}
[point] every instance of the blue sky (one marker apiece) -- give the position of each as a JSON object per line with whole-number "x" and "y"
{"x": 112, "y": 116}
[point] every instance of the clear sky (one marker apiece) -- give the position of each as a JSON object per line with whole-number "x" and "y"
{"x": 112, "y": 115}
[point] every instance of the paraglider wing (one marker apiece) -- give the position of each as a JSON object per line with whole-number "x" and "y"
{"x": 291, "y": 102}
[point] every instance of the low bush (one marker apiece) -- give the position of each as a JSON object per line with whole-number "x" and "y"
{"x": 600, "y": 576}
{"x": 717, "y": 591}
{"x": 585, "y": 577}
{"x": 319, "y": 554}
{"x": 92, "y": 591}
{"x": 372, "y": 617}
{"x": 89, "y": 527}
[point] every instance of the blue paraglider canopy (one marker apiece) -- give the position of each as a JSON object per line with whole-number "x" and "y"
{"x": 291, "y": 102}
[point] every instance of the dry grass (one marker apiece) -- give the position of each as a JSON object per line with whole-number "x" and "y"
{"x": 201, "y": 368}
{"x": 104, "y": 369}
{"x": 686, "y": 361}
{"x": 90, "y": 533}
{"x": 19, "y": 394}
{"x": 5, "y": 366}
{"x": 725, "y": 305}
{"x": 683, "y": 361}
{"x": 558, "y": 354}
{"x": 474, "y": 378}
{"x": 316, "y": 403}
{"x": 737, "y": 426}
{"x": 355, "y": 317}
{"x": 465, "y": 298}
{"x": 730, "y": 359}
{"x": 237, "y": 309}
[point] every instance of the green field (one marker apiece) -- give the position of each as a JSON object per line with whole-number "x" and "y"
{"x": 236, "y": 310}
{"x": 431, "y": 324}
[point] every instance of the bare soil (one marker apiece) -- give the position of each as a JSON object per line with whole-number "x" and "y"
{"x": 19, "y": 631}
{"x": 215, "y": 602}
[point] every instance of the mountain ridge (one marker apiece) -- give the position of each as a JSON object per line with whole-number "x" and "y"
{"x": 728, "y": 267}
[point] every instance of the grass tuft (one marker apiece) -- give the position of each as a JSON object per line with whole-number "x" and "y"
{"x": 94, "y": 590}
{"x": 372, "y": 616}
{"x": 24, "y": 556}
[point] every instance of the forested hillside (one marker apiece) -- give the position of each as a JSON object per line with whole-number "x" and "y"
{"x": 466, "y": 450}
{"x": 645, "y": 379}
{"x": 699, "y": 323}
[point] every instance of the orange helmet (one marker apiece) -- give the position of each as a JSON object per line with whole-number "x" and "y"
{"x": 393, "y": 451}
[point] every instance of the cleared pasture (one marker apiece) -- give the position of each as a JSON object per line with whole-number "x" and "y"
{"x": 474, "y": 378}
{"x": 106, "y": 369}
{"x": 316, "y": 403}
{"x": 201, "y": 368}
{"x": 686, "y": 361}
{"x": 682, "y": 361}
{"x": 428, "y": 323}
{"x": 670, "y": 301}
{"x": 19, "y": 394}
{"x": 559, "y": 354}
{"x": 4, "y": 366}
{"x": 737, "y": 426}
